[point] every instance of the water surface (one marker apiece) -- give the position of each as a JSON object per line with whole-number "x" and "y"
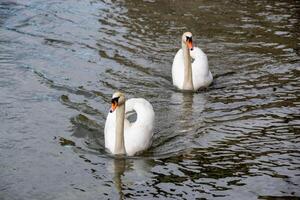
{"x": 60, "y": 62}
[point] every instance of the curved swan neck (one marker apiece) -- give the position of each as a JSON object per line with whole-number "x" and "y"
{"x": 188, "y": 79}
{"x": 119, "y": 143}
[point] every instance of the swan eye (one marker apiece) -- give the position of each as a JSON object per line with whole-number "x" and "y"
{"x": 188, "y": 38}
{"x": 115, "y": 100}
{"x": 114, "y": 104}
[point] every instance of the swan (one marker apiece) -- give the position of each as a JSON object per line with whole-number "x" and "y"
{"x": 122, "y": 136}
{"x": 186, "y": 75}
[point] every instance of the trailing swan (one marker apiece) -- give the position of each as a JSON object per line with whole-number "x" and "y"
{"x": 189, "y": 75}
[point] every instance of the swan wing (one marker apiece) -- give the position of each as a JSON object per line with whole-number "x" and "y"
{"x": 110, "y": 131}
{"x": 202, "y": 77}
{"x": 138, "y": 135}
{"x": 178, "y": 69}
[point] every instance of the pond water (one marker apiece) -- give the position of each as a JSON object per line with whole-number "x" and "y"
{"x": 60, "y": 62}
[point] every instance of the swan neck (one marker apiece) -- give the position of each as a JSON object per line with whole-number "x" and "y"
{"x": 119, "y": 143}
{"x": 188, "y": 78}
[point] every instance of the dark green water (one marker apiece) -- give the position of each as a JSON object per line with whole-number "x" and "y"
{"x": 60, "y": 61}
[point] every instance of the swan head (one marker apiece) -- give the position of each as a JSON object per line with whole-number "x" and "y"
{"x": 118, "y": 99}
{"x": 187, "y": 40}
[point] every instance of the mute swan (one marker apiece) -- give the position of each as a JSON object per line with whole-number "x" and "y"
{"x": 123, "y": 137}
{"x": 187, "y": 75}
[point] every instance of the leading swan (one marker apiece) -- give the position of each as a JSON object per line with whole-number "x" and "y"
{"x": 187, "y": 75}
{"x": 123, "y": 137}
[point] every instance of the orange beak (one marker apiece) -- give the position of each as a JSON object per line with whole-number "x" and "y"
{"x": 114, "y": 106}
{"x": 190, "y": 44}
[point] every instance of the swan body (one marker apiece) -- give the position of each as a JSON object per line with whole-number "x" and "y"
{"x": 189, "y": 75}
{"x": 137, "y": 136}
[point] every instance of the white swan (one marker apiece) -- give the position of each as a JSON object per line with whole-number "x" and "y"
{"x": 187, "y": 75}
{"x": 123, "y": 137}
